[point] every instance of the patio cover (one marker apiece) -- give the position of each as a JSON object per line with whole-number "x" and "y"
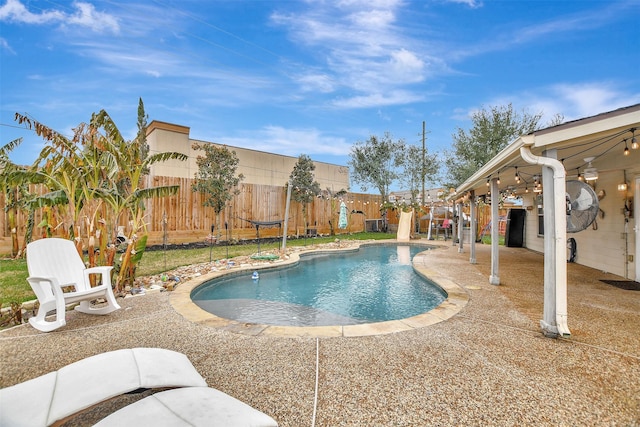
{"x": 552, "y": 155}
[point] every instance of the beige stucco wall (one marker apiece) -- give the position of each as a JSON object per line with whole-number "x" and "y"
{"x": 258, "y": 167}
{"x": 608, "y": 247}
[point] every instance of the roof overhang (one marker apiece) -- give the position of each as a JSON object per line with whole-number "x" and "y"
{"x": 601, "y": 136}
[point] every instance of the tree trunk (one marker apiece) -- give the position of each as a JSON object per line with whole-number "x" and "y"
{"x": 14, "y": 232}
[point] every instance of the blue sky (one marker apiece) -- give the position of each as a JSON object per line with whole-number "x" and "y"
{"x": 311, "y": 77}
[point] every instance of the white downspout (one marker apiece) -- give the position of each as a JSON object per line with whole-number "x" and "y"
{"x": 560, "y": 237}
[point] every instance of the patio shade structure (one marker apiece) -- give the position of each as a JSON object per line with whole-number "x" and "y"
{"x": 552, "y": 156}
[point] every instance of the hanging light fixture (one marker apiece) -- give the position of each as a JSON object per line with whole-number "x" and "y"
{"x": 634, "y": 142}
{"x": 498, "y": 180}
{"x": 517, "y": 176}
{"x": 580, "y": 178}
{"x": 590, "y": 173}
{"x": 488, "y": 181}
{"x": 626, "y": 148}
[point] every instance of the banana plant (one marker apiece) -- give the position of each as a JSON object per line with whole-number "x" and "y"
{"x": 15, "y": 190}
{"x": 126, "y": 194}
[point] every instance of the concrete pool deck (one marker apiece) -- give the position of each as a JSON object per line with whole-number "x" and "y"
{"x": 457, "y": 298}
{"x": 486, "y": 365}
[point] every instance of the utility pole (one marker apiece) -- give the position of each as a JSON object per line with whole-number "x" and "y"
{"x": 424, "y": 137}
{"x": 286, "y": 218}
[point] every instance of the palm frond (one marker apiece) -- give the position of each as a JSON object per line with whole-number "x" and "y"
{"x": 8, "y": 147}
{"x": 163, "y": 157}
{"x": 153, "y": 192}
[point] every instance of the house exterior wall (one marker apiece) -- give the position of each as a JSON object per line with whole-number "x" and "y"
{"x": 608, "y": 247}
{"x": 258, "y": 167}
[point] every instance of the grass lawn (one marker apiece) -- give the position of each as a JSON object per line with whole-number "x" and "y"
{"x": 15, "y": 288}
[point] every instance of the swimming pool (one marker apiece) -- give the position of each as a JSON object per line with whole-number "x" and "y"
{"x": 374, "y": 284}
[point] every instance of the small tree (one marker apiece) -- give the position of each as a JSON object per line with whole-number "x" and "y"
{"x": 216, "y": 177}
{"x": 493, "y": 129}
{"x": 376, "y": 162}
{"x": 304, "y": 188}
{"x": 415, "y": 172}
{"x": 333, "y": 198}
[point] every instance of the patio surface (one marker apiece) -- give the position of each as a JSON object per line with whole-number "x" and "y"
{"x": 486, "y": 365}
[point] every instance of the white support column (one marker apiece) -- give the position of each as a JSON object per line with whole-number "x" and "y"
{"x": 460, "y": 228}
{"x": 429, "y": 236}
{"x": 548, "y": 322}
{"x": 494, "y": 279}
{"x": 454, "y": 223}
{"x": 554, "y": 322}
{"x": 472, "y": 227}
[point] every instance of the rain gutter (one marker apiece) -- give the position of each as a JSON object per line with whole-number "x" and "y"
{"x": 559, "y": 237}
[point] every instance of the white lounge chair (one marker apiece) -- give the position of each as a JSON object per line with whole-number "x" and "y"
{"x": 54, "y": 264}
{"x": 188, "y": 407}
{"x": 54, "y": 397}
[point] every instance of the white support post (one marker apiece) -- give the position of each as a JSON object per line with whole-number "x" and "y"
{"x": 548, "y": 322}
{"x": 454, "y": 223}
{"x": 554, "y": 322}
{"x": 460, "y": 228}
{"x": 429, "y": 236}
{"x": 472, "y": 227}
{"x": 494, "y": 279}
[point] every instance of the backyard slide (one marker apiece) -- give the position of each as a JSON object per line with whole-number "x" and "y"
{"x": 404, "y": 226}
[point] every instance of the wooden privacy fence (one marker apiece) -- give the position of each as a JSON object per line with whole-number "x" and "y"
{"x": 182, "y": 218}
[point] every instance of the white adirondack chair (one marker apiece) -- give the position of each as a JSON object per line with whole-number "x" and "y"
{"x": 54, "y": 264}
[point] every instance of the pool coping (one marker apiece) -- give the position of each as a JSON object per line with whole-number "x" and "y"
{"x": 457, "y": 299}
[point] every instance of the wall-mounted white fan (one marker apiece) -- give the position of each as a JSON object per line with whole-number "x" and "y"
{"x": 582, "y": 206}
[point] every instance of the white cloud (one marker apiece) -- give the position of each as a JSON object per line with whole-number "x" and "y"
{"x": 362, "y": 48}
{"x": 582, "y": 100}
{"x": 406, "y": 66}
{"x": 5, "y": 46}
{"x": 313, "y": 82}
{"x": 571, "y": 100}
{"x": 471, "y": 3}
{"x": 290, "y": 142}
{"x": 85, "y": 15}
{"x": 397, "y": 97}
{"x": 372, "y": 18}
{"x": 14, "y": 11}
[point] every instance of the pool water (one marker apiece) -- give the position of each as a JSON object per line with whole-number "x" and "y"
{"x": 375, "y": 284}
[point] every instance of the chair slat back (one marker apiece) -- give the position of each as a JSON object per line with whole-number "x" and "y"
{"x": 54, "y": 257}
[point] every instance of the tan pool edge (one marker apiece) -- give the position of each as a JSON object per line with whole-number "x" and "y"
{"x": 458, "y": 297}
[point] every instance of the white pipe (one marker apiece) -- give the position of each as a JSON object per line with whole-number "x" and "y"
{"x": 560, "y": 237}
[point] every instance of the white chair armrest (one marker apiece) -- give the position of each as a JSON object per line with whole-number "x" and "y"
{"x": 104, "y": 271}
{"x": 53, "y": 283}
{"x": 99, "y": 270}
{"x": 46, "y": 303}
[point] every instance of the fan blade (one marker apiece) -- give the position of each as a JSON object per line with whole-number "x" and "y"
{"x": 582, "y": 201}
